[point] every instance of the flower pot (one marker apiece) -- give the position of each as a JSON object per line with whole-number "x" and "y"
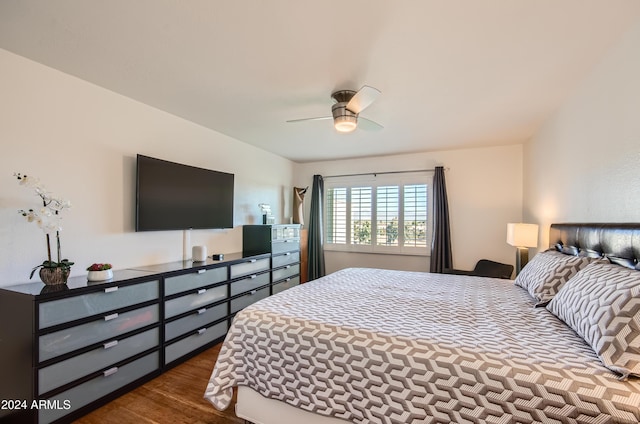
{"x": 103, "y": 275}
{"x": 55, "y": 276}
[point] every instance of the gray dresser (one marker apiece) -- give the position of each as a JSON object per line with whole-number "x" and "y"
{"x": 63, "y": 347}
{"x": 66, "y": 350}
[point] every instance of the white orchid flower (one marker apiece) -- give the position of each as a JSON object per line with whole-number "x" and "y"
{"x": 48, "y": 218}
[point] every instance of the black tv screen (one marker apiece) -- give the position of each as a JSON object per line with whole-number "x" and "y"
{"x": 173, "y": 196}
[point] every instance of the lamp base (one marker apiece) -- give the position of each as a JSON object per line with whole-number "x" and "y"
{"x": 522, "y": 257}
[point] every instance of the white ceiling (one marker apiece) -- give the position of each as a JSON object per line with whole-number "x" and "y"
{"x": 453, "y": 73}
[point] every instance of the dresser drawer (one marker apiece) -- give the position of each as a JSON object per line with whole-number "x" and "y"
{"x": 109, "y": 327}
{"x": 98, "y": 387}
{"x": 186, "y": 282}
{"x": 287, "y": 271}
{"x": 252, "y": 266}
{"x": 286, "y": 259}
{"x": 285, "y": 246}
{"x": 193, "y": 342}
{"x": 86, "y": 363}
{"x": 283, "y": 232}
{"x": 111, "y": 298}
{"x": 286, "y": 284}
{"x": 250, "y": 283}
{"x": 194, "y": 321}
{"x": 249, "y": 298}
{"x": 193, "y": 301}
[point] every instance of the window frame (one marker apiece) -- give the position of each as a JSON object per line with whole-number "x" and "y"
{"x": 374, "y": 181}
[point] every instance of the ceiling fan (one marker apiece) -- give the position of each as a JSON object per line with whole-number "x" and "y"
{"x": 347, "y": 107}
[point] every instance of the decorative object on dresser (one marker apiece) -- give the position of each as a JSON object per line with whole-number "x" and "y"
{"x": 298, "y": 205}
{"x": 282, "y": 241}
{"x": 522, "y": 236}
{"x": 267, "y": 218}
{"x": 49, "y": 220}
{"x": 99, "y": 272}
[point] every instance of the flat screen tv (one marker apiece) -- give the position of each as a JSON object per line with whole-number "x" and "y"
{"x": 173, "y": 196}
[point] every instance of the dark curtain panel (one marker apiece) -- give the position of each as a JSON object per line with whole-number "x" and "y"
{"x": 316, "y": 250}
{"x": 441, "y": 257}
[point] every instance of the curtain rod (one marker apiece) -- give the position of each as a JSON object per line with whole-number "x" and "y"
{"x": 382, "y": 173}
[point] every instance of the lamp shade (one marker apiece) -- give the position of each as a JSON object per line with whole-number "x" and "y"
{"x": 522, "y": 235}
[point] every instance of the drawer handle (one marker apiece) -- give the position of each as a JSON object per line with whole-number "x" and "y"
{"x": 253, "y": 276}
{"x": 202, "y": 291}
{"x": 110, "y": 344}
{"x": 110, "y": 317}
{"x": 252, "y": 292}
{"x": 287, "y": 280}
{"x": 287, "y": 267}
{"x": 202, "y": 271}
{"x": 201, "y": 331}
{"x": 287, "y": 254}
{"x": 111, "y": 289}
{"x": 252, "y": 261}
{"x": 110, "y": 371}
{"x": 202, "y": 311}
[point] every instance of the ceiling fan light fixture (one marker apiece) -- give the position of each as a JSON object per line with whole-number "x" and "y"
{"x": 347, "y": 107}
{"x": 345, "y": 123}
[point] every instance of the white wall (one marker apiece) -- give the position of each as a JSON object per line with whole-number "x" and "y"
{"x": 484, "y": 187}
{"x": 584, "y": 164}
{"x": 81, "y": 141}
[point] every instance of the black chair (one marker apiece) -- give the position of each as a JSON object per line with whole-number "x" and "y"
{"x": 485, "y": 268}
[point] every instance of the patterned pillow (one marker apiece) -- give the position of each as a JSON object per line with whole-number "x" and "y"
{"x": 602, "y": 304}
{"x": 547, "y": 272}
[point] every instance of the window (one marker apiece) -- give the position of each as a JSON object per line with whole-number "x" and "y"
{"x": 384, "y": 214}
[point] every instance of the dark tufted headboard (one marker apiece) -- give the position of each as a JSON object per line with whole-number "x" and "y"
{"x": 618, "y": 242}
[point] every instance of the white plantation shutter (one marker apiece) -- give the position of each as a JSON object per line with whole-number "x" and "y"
{"x": 415, "y": 215}
{"x": 382, "y": 215}
{"x": 336, "y": 214}
{"x": 361, "y": 215}
{"x": 387, "y": 207}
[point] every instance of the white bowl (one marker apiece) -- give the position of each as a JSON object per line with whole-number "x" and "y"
{"x": 103, "y": 275}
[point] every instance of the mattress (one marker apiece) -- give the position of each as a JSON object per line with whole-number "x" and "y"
{"x": 381, "y": 346}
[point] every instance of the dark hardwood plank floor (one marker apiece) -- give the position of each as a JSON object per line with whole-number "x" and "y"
{"x": 174, "y": 397}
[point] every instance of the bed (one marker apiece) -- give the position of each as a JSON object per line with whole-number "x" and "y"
{"x": 381, "y": 346}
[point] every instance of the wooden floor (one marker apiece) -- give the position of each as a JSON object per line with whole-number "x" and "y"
{"x": 174, "y": 397}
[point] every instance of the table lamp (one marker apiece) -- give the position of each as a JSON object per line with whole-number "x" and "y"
{"x": 522, "y": 236}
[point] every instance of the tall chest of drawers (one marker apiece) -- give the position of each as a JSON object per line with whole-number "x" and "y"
{"x": 282, "y": 241}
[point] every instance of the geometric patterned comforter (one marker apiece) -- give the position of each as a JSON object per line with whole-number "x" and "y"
{"x": 381, "y": 346}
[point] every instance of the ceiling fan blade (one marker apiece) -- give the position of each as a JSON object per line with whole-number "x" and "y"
{"x": 363, "y": 99}
{"x": 368, "y": 124}
{"x": 321, "y": 118}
